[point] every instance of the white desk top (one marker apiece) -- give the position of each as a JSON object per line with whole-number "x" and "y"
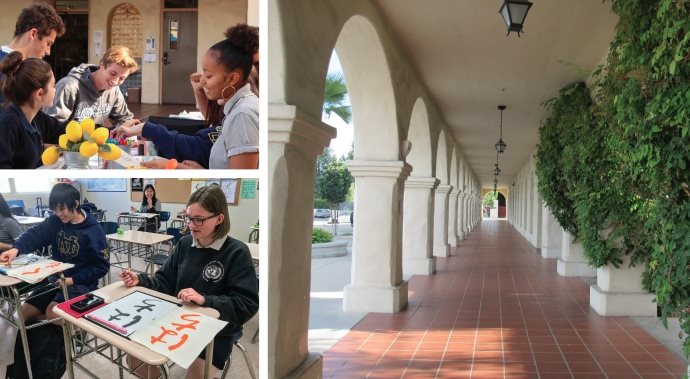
{"x": 6, "y": 281}
{"x": 141, "y": 238}
{"x": 27, "y": 220}
{"x": 139, "y": 215}
{"x": 113, "y": 292}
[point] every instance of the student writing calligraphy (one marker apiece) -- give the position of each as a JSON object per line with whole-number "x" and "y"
{"x": 210, "y": 269}
{"x": 73, "y": 236}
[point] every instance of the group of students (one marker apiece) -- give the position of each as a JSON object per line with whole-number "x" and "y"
{"x": 74, "y": 236}
{"x": 34, "y": 109}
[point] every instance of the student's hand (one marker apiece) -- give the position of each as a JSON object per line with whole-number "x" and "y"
{"x": 195, "y": 79}
{"x": 68, "y": 282}
{"x": 155, "y": 163}
{"x": 129, "y": 128}
{"x": 8, "y": 256}
{"x": 190, "y": 164}
{"x": 133, "y": 209}
{"x": 191, "y": 296}
{"x": 129, "y": 278}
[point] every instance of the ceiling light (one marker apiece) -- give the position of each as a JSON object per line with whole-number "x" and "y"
{"x": 514, "y": 13}
{"x": 500, "y": 145}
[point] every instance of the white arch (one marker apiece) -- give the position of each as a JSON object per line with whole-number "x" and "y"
{"x": 454, "y": 168}
{"x": 420, "y": 136}
{"x": 374, "y": 119}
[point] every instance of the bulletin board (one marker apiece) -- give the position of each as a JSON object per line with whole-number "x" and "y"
{"x": 169, "y": 191}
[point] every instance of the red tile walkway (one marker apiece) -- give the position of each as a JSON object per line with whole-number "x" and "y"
{"x": 497, "y": 309}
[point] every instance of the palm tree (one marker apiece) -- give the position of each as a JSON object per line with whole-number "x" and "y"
{"x": 335, "y": 97}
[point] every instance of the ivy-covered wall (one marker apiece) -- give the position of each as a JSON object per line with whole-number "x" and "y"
{"x": 612, "y": 162}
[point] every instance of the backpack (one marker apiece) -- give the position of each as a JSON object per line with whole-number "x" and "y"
{"x": 47, "y": 352}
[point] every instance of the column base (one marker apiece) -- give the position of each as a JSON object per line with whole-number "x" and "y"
{"x": 310, "y": 368}
{"x": 442, "y": 251}
{"x": 574, "y": 269}
{"x": 453, "y": 242}
{"x": 550, "y": 252}
{"x": 375, "y": 299}
{"x": 419, "y": 266}
{"x": 621, "y": 303}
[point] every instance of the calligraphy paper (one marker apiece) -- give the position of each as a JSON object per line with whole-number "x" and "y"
{"x": 35, "y": 272}
{"x": 21, "y": 261}
{"x": 127, "y": 314}
{"x": 180, "y": 335}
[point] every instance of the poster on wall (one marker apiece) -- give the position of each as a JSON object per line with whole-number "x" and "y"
{"x": 248, "y": 189}
{"x": 196, "y": 184}
{"x": 150, "y": 181}
{"x": 106, "y": 185}
{"x": 137, "y": 185}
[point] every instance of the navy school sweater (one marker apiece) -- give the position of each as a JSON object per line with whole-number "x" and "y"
{"x": 83, "y": 245}
{"x": 171, "y": 144}
{"x": 21, "y": 141}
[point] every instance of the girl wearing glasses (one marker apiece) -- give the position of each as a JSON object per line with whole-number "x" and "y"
{"x": 208, "y": 268}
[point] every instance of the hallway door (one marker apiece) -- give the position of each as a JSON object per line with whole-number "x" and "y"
{"x": 179, "y": 56}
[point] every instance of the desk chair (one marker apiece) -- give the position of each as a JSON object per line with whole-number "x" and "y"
{"x": 164, "y": 216}
{"x": 159, "y": 258}
{"x": 109, "y": 227}
{"x": 245, "y": 355}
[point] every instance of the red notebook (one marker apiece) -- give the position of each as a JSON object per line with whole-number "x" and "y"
{"x": 65, "y": 306}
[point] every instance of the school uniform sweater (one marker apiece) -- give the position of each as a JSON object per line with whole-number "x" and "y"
{"x": 83, "y": 244}
{"x": 171, "y": 144}
{"x": 223, "y": 273}
{"x": 21, "y": 141}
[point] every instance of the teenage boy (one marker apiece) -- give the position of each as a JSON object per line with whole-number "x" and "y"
{"x": 35, "y": 32}
{"x": 93, "y": 91}
{"x": 72, "y": 235}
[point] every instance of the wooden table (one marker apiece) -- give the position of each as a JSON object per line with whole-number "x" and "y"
{"x": 111, "y": 293}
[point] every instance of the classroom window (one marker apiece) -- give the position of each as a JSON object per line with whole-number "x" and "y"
{"x": 5, "y": 186}
{"x": 25, "y": 185}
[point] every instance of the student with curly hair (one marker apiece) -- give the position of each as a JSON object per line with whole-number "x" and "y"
{"x": 29, "y": 85}
{"x": 235, "y": 142}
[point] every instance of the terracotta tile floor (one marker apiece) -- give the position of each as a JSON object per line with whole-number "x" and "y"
{"x": 497, "y": 309}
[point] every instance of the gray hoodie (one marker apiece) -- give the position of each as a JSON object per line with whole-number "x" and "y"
{"x": 76, "y": 97}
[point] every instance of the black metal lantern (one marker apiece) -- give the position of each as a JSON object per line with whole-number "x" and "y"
{"x": 500, "y": 145}
{"x": 514, "y": 13}
{"x": 497, "y": 171}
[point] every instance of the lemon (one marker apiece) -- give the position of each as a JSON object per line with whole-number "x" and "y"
{"x": 111, "y": 155}
{"x": 100, "y": 135}
{"x": 50, "y": 155}
{"x": 63, "y": 141}
{"x": 73, "y": 131}
{"x": 88, "y": 125}
{"x": 88, "y": 148}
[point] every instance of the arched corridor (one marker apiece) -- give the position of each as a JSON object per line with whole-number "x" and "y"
{"x": 497, "y": 309}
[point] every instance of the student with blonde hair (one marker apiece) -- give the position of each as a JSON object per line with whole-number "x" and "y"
{"x": 93, "y": 91}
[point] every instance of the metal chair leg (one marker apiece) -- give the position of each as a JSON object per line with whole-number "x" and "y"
{"x": 250, "y": 368}
{"x": 256, "y": 334}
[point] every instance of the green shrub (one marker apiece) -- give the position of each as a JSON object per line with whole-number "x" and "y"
{"x": 321, "y": 236}
{"x": 321, "y": 204}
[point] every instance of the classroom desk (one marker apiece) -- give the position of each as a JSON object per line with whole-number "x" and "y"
{"x": 136, "y": 243}
{"x": 12, "y": 292}
{"x": 111, "y": 293}
{"x": 135, "y": 219}
{"x": 26, "y": 221}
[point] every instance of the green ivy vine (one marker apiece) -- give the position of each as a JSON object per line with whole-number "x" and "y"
{"x": 615, "y": 171}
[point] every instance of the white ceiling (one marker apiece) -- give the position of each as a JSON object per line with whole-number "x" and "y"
{"x": 460, "y": 51}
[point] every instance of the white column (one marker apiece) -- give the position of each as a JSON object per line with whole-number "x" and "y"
{"x": 377, "y": 283}
{"x": 572, "y": 262}
{"x": 619, "y": 292}
{"x": 461, "y": 216}
{"x": 441, "y": 247}
{"x": 295, "y": 139}
{"x": 552, "y": 235}
{"x": 453, "y": 239}
{"x": 418, "y": 226}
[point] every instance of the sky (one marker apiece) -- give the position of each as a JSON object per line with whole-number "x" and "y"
{"x": 342, "y": 143}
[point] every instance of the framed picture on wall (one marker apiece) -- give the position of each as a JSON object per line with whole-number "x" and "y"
{"x": 230, "y": 189}
{"x": 137, "y": 184}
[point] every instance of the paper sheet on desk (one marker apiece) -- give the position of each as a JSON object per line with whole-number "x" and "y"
{"x": 129, "y": 161}
{"x": 194, "y": 115}
{"x": 180, "y": 335}
{"x": 35, "y": 272}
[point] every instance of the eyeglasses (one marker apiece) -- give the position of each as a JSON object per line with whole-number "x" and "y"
{"x": 198, "y": 221}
